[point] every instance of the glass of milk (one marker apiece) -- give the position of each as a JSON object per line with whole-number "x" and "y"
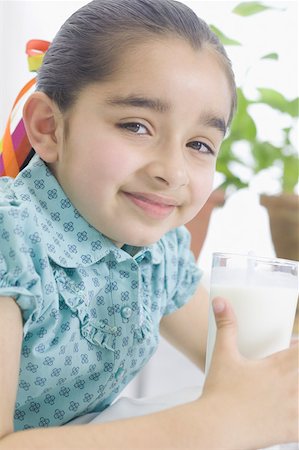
{"x": 263, "y": 293}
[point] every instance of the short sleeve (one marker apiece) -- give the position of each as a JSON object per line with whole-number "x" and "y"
{"x": 182, "y": 273}
{"x": 19, "y": 251}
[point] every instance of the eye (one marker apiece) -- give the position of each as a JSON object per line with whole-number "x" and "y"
{"x": 134, "y": 127}
{"x": 201, "y": 147}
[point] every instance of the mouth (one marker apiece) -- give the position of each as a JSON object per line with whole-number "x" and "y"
{"x": 155, "y": 206}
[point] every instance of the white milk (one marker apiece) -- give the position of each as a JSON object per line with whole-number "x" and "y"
{"x": 265, "y": 317}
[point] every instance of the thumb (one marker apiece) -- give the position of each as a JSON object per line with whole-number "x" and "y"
{"x": 227, "y": 329}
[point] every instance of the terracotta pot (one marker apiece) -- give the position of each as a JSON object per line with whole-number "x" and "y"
{"x": 283, "y": 211}
{"x": 199, "y": 225}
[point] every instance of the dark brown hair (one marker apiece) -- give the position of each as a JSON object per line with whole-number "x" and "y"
{"x": 88, "y": 46}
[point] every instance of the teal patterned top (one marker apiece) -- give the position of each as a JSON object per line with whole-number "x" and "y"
{"x": 91, "y": 311}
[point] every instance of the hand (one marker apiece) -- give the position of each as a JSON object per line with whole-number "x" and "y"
{"x": 257, "y": 400}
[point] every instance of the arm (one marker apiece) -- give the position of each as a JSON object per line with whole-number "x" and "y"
{"x": 238, "y": 408}
{"x": 11, "y": 339}
{"x": 187, "y": 328}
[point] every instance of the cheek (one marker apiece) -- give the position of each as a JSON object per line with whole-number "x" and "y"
{"x": 202, "y": 185}
{"x": 108, "y": 160}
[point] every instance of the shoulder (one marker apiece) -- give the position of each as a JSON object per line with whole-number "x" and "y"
{"x": 181, "y": 273}
{"x": 7, "y": 194}
{"x": 20, "y": 234}
{"x": 24, "y": 265}
{"x": 13, "y": 210}
{"x": 176, "y": 256}
{"x": 176, "y": 241}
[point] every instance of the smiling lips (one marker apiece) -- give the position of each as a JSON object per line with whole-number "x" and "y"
{"x": 155, "y": 206}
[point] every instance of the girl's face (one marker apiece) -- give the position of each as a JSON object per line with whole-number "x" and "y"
{"x": 141, "y": 148}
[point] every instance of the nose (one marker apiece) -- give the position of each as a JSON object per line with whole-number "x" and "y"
{"x": 169, "y": 166}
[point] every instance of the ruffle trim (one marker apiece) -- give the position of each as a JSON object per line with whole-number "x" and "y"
{"x": 144, "y": 330}
{"x": 145, "y": 327}
{"x": 97, "y": 332}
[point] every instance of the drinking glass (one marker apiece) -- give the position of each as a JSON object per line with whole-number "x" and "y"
{"x": 263, "y": 293}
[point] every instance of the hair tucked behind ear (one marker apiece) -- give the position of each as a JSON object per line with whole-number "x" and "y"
{"x": 88, "y": 46}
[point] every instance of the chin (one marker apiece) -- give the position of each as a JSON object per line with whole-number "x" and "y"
{"x": 143, "y": 240}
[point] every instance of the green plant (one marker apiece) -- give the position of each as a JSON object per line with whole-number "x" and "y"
{"x": 264, "y": 154}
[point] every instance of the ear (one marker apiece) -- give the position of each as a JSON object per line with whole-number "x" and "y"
{"x": 44, "y": 126}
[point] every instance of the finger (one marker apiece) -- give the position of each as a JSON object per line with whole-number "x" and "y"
{"x": 226, "y": 322}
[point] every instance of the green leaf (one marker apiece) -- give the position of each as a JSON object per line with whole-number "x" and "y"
{"x": 290, "y": 173}
{"x": 243, "y": 126}
{"x": 250, "y": 8}
{"x": 277, "y": 101}
{"x": 223, "y": 38}
{"x": 265, "y": 154}
{"x": 268, "y": 155}
{"x": 271, "y": 56}
{"x": 230, "y": 179}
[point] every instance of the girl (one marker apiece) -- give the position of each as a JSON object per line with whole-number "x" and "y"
{"x": 133, "y": 100}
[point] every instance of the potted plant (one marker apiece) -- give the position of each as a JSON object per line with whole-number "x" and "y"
{"x": 283, "y": 206}
{"x": 244, "y": 148}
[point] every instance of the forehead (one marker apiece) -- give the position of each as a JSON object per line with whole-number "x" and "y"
{"x": 171, "y": 74}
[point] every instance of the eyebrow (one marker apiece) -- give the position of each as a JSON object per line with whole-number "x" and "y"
{"x": 155, "y": 104}
{"x": 212, "y": 121}
{"x": 139, "y": 102}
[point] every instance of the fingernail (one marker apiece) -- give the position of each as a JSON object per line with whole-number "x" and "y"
{"x": 218, "y": 305}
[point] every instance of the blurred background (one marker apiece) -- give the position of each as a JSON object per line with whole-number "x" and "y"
{"x": 258, "y": 164}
